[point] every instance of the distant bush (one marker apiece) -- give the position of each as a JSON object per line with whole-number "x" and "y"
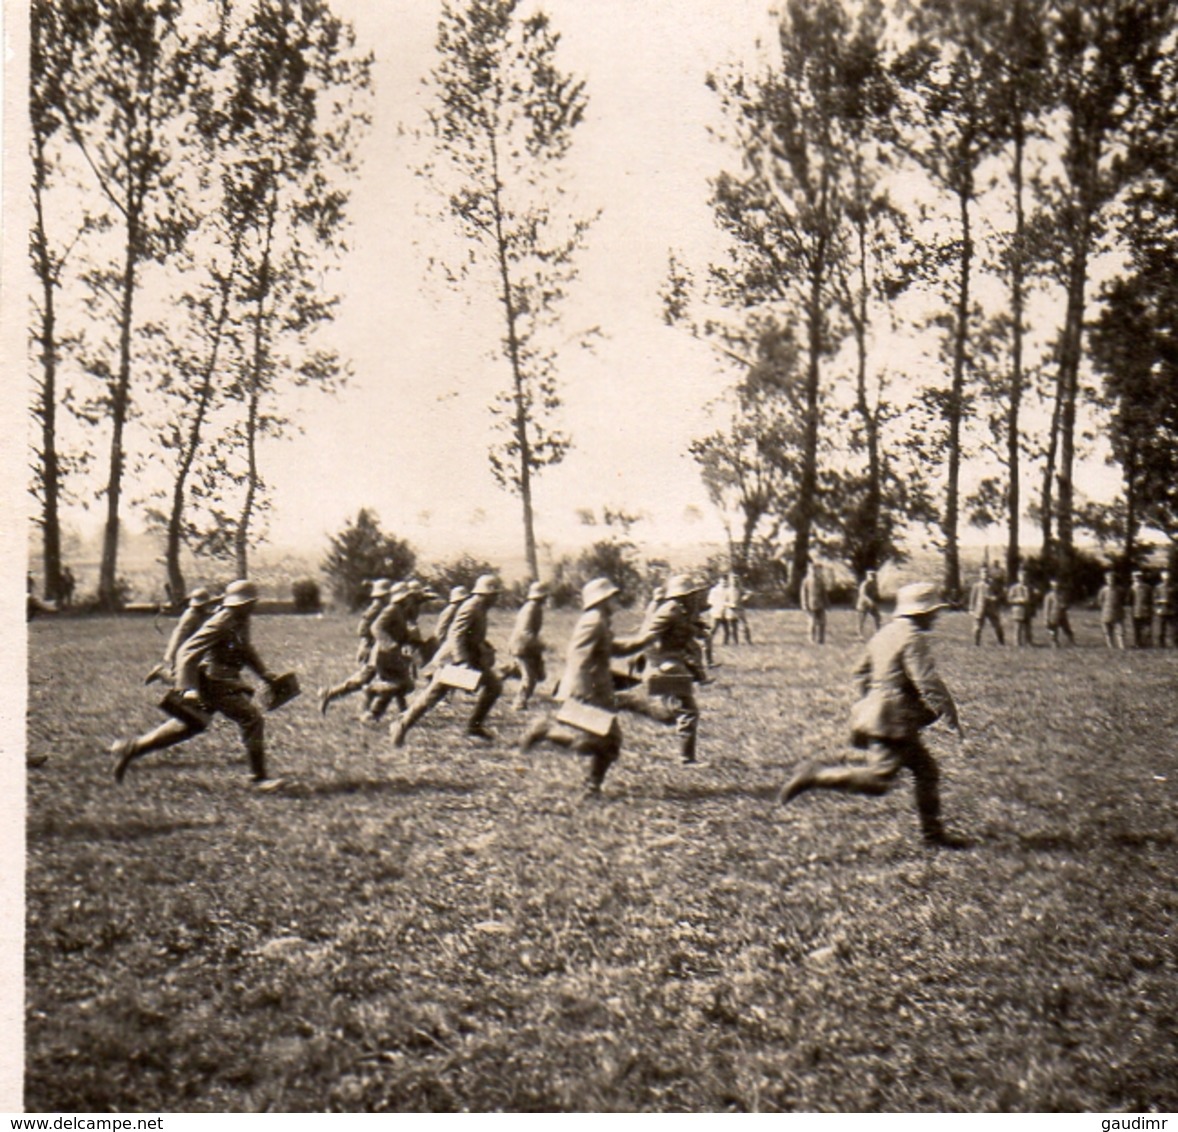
{"x": 306, "y": 597}
{"x": 362, "y": 552}
{"x": 463, "y": 571}
{"x": 609, "y": 558}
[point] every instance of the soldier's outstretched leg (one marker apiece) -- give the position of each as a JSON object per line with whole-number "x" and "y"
{"x": 489, "y": 691}
{"x": 240, "y": 707}
{"x": 429, "y": 698}
{"x": 354, "y": 683}
{"x": 167, "y": 734}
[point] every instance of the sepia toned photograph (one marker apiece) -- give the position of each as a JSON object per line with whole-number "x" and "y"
{"x": 591, "y": 556}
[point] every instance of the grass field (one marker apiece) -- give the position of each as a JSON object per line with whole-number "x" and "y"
{"x": 450, "y": 927}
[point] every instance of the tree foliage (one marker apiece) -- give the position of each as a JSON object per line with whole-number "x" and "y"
{"x": 362, "y": 552}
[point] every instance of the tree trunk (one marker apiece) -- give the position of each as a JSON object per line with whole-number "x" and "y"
{"x": 1017, "y": 302}
{"x": 520, "y": 423}
{"x": 1069, "y": 388}
{"x": 868, "y": 416}
{"x": 952, "y": 579}
{"x": 807, "y": 505}
{"x": 108, "y": 596}
{"x": 50, "y": 470}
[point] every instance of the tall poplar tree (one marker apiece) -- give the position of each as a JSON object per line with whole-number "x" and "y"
{"x": 503, "y": 122}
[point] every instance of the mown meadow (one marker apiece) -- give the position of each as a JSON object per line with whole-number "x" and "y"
{"x": 453, "y": 927}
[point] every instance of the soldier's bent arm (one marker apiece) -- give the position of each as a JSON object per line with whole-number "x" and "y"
{"x": 862, "y": 674}
{"x": 918, "y": 664}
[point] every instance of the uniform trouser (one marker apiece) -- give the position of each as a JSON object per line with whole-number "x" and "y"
{"x": 864, "y": 614}
{"x": 682, "y": 711}
{"x": 488, "y": 692}
{"x": 1114, "y": 634}
{"x": 1062, "y": 624}
{"x": 237, "y": 704}
{"x": 741, "y": 620}
{"x": 1141, "y": 632}
{"x": 361, "y": 678}
{"x": 885, "y": 759}
{"x": 1165, "y": 630}
{"x": 392, "y": 679}
{"x": 531, "y": 671}
{"x": 817, "y": 626}
{"x": 980, "y": 622}
{"x": 1022, "y": 633}
{"x": 602, "y": 749}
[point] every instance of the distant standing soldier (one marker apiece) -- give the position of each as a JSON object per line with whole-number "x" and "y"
{"x": 525, "y": 644}
{"x": 671, "y": 650}
{"x": 465, "y": 645}
{"x": 867, "y": 603}
{"x": 68, "y": 584}
{"x": 200, "y": 608}
{"x": 1020, "y": 598}
{"x": 209, "y": 668}
{"x": 366, "y": 673}
{"x": 900, "y": 694}
{"x": 814, "y": 603}
{"x": 1165, "y": 612}
{"x": 983, "y": 607}
{"x": 1140, "y": 609}
{"x": 718, "y": 609}
{"x": 1055, "y": 614}
{"x": 587, "y": 679}
{"x": 1111, "y": 603}
{"x": 737, "y": 617}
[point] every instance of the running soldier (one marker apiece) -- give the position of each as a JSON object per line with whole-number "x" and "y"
{"x": 363, "y": 676}
{"x": 587, "y": 679}
{"x": 208, "y": 676}
{"x": 200, "y": 608}
{"x": 466, "y": 645}
{"x": 673, "y": 658}
{"x": 525, "y": 646}
{"x": 394, "y": 639}
{"x": 900, "y": 694}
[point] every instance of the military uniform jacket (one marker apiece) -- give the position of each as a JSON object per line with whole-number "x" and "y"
{"x": 368, "y": 619}
{"x": 392, "y": 629}
{"x": 586, "y": 673}
{"x": 671, "y": 643}
{"x": 1054, "y": 607}
{"x": 219, "y": 649}
{"x": 813, "y": 595}
{"x": 1111, "y": 601}
{"x": 982, "y": 598}
{"x": 1141, "y": 599}
{"x": 898, "y": 684}
{"x": 445, "y": 620}
{"x": 1164, "y": 599}
{"x": 190, "y": 620}
{"x": 868, "y": 596}
{"x": 525, "y": 636}
{"x": 1019, "y": 598}
{"x": 467, "y": 640}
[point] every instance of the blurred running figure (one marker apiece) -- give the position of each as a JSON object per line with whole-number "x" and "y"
{"x": 366, "y": 673}
{"x": 209, "y": 677}
{"x": 466, "y": 645}
{"x": 525, "y": 646}
{"x": 673, "y": 658}
{"x": 900, "y": 694}
{"x": 200, "y": 608}
{"x": 1055, "y": 614}
{"x": 587, "y": 679}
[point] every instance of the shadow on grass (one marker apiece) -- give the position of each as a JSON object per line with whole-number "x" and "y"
{"x": 1080, "y": 841}
{"x": 690, "y": 792}
{"x": 400, "y": 786}
{"x": 135, "y": 829}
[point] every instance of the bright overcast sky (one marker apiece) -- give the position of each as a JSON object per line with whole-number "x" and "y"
{"x": 410, "y": 435}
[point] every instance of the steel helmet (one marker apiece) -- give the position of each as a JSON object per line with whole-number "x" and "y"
{"x": 536, "y": 591}
{"x": 200, "y": 597}
{"x": 684, "y": 585}
{"x": 487, "y": 585}
{"x": 381, "y": 587}
{"x": 240, "y": 592}
{"x": 595, "y": 592}
{"x": 459, "y": 593}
